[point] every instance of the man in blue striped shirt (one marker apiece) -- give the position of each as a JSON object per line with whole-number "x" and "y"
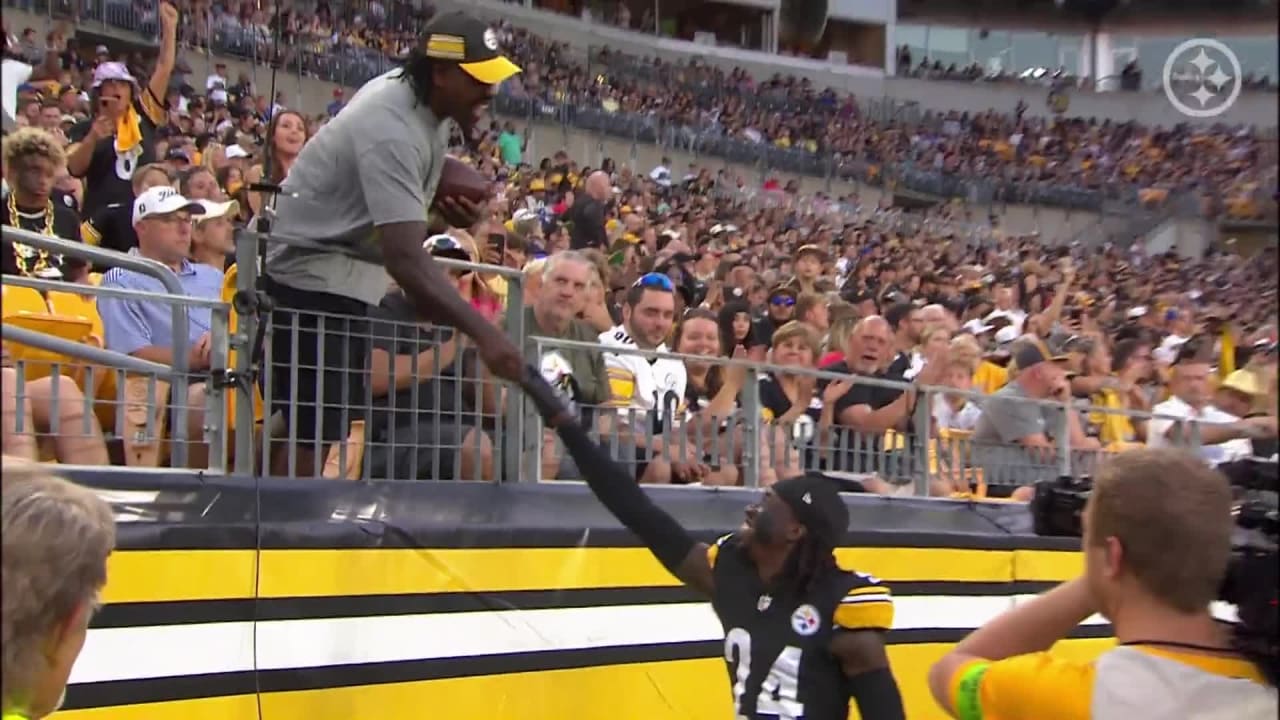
{"x": 144, "y": 328}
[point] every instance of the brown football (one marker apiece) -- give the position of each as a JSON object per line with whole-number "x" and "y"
{"x": 459, "y": 179}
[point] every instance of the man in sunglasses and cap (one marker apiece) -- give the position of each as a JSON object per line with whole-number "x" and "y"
{"x": 802, "y": 635}
{"x": 359, "y": 194}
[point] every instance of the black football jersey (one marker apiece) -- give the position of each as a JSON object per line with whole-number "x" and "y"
{"x": 778, "y": 646}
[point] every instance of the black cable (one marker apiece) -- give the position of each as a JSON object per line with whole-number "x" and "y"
{"x": 263, "y": 226}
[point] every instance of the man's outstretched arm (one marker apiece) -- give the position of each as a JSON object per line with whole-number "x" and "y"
{"x": 619, "y": 492}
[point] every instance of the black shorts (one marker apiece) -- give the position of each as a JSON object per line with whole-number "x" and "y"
{"x": 324, "y": 339}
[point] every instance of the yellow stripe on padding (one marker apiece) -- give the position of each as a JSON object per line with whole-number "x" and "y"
{"x": 1047, "y": 565}
{"x": 864, "y": 615}
{"x": 214, "y": 708}
{"x": 638, "y": 691}
{"x": 170, "y": 575}
{"x": 167, "y": 575}
{"x": 300, "y": 573}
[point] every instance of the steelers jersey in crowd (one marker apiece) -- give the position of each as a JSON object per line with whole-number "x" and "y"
{"x": 778, "y": 646}
{"x": 638, "y": 383}
{"x": 57, "y": 218}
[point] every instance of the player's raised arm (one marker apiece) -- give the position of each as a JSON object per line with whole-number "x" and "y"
{"x": 617, "y": 491}
{"x": 863, "y": 617}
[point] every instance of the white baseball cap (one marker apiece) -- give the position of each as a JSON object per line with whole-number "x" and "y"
{"x": 214, "y": 210}
{"x": 162, "y": 200}
{"x": 235, "y": 151}
{"x": 1006, "y": 335}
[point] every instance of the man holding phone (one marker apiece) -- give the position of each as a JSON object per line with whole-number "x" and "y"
{"x": 121, "y": 136}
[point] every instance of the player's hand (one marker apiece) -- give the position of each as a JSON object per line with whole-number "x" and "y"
{"x": 460, "y": 212}
{"x": 544, "y": 397}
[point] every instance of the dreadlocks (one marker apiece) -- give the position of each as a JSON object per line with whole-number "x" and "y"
{"x": 807, "y": 562}
{"x": 418, "y": 71}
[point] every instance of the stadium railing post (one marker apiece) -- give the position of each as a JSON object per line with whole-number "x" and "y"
{"x": 751, "y": 415}
{"x": 919, "y": 454}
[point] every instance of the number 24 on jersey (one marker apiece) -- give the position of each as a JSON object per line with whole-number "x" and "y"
{"x": 778, "y": 691}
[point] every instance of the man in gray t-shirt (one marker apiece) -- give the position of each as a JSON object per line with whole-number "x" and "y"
{"x": 359, "y": 194}
{"x": 1015, "y": 441}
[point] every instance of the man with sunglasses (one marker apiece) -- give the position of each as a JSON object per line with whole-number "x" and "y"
{"x": 162, "y": 219}
{"x": 780, "y": 310}
{"x": 361, "y": 190}
{"x": 645, "y": 390}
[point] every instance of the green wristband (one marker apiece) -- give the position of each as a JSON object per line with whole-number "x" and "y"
{"x": 968, "y": 693}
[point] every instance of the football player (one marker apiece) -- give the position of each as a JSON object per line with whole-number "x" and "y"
{"x": 802, "y": 635}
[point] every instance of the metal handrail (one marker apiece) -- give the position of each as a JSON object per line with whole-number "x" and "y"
{"x": 144, "y": 266}
{"x": 83, "y": 351}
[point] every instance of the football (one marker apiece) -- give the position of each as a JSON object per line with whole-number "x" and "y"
{"x": 459, "y": 179}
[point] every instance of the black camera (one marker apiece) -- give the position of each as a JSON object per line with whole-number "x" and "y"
{"x": 1252, "y": 574}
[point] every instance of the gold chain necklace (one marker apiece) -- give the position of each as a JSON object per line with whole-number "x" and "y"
{"x": 25, "y": 253}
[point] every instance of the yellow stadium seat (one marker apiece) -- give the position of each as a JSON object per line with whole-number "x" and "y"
{"x": 27, "y": 308}
{"x": 95, "y": 279}
{"x": 228, "y": 294}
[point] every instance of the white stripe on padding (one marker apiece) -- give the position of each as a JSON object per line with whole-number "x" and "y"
{"x": 164, "y": 651}
{"x": 173, "y": 650}
{"x": 345, "y": 641}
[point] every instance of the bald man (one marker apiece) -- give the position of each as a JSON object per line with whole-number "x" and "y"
{"x": 588, "y": 213}
{"x": 865, "y": 412}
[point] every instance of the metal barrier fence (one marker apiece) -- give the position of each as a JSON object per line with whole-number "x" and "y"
{"x": 52, "y": 330}
{"x": 420, "y": 405}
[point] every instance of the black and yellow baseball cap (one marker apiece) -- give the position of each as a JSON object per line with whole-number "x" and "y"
{"x": 471, "y": 43}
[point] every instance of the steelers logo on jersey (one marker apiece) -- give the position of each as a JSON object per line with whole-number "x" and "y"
{"x": 805, "y": 620}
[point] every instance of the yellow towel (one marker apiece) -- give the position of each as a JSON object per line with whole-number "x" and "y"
{"x": 128, "y": 131}
{"x": 1227, "y": 353}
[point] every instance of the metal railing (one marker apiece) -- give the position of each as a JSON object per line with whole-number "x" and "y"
{"x": 106, "y": 361}
{"x": 453, "y": 421}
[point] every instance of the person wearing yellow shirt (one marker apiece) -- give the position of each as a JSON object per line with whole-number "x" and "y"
{"x": 1157, "y": 541}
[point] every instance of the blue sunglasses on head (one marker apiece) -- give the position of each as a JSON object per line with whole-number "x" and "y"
{"x": 655, "y": 281}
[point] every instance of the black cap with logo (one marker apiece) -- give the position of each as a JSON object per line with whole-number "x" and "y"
{"x": 469, "y": 42}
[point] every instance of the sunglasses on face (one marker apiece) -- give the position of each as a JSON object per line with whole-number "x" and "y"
{"x": 446, "y": 246}
{"x": 655, "y": 281}
{"x": 782, "y": 301}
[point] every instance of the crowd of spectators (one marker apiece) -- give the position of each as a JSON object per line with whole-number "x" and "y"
{"x": 663, "y": 258}
{"x": 1218, "y": 170}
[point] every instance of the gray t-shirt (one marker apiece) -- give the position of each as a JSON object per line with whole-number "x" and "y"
{"x": 1006, "y": 418}
{"x": 377, "y": 162}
